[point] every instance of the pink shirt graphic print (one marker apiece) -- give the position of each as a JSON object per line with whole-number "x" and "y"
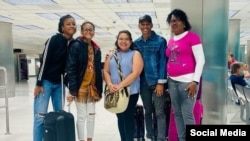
{"x": 174, "y": 52}
{"x": 181, "y": 60}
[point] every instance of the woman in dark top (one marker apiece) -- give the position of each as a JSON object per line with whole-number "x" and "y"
{"x": 83, "y": 73}
{"x": 48, "y": 83}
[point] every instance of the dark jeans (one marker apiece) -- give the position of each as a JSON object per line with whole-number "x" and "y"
{"x": 126, "y": 120}
{"x": 148, "y": 98}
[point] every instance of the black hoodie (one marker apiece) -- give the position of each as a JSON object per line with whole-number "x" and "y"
{"x": 53, "y": 60}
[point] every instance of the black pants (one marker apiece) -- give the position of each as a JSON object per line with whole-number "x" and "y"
{"x": 126, "y": 120}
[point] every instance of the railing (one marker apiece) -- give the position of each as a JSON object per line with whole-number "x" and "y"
{"x": 6, "y": 105}
{"x": 244, "y": 96}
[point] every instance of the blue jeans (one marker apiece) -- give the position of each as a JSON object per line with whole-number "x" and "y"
{"x": 149, "y": 98}
{"x": 53, "y": 90}
{"x": 182, "y": 106}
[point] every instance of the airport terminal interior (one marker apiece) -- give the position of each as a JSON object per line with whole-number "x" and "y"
{"x": 25, "y": 25}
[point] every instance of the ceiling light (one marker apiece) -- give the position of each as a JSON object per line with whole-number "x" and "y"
{"x": 135, "y": 15}
{"x": 18, "y": 27}
{"x": 3, "y": 18}
{"x": 76, "y": 16}
{"x": 32, "y": 27}
{"x": 127, "y": 1}
{"x": 26, "y": 27}
{"x": 232, "y": 13}
{"x": 30, "y": 2}
{"x": 57, "y": 16}
{"x": 245, "y": 33}
{"x": 50, "y": 16}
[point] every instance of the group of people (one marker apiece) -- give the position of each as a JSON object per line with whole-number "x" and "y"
{"x": 146, "y": 63}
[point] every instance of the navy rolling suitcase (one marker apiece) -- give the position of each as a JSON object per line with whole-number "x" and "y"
{"x": 139, "y": 123}
{"x": 59, "y": 126}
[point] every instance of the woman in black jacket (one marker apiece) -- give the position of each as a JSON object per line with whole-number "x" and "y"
{"x": 84, "y": 79}
{"x": 48, "y": 83}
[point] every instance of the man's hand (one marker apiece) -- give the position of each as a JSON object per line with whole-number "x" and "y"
{"x": 159, "y": 89}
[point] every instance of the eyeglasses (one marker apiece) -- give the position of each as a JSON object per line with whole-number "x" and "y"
{"x": 88, "y": 30}
{"x": 175, "y": 21}
{"x": 124, "y": 39}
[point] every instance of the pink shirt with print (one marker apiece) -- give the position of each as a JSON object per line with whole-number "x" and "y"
{"x": 180, "y": 56}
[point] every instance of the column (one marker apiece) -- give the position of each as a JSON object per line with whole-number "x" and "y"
{"x": 7, "y": 58}
{"x": 248, "y": 52}
{"x": 234, "y": 37}
{"x": 203, "y": 20}
{"x": 242, "y": 53}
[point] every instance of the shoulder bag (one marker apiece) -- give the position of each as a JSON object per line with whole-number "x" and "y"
{"x": 116, "y": 102}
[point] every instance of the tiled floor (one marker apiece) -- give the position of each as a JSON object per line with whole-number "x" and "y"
{"x": 21, "y": 118}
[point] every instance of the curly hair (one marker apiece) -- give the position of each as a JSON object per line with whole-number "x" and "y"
{"x": 181, "y": 15}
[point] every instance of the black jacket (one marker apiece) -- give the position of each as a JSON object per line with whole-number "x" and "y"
{"x": 76, "y": 65}
{"x": 53, "y": 60}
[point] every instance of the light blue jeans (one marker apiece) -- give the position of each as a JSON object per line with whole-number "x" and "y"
{"x": 182, "y": 106}
{"x": 149, "y": 97}
{"x": 53, "y": 90}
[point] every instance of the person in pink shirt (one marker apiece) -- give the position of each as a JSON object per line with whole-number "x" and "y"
{"x": 184, "y": 68}
{"x": 230, "y": 60}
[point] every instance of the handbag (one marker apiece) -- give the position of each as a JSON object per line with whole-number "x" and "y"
{"x": 116, "y": 102}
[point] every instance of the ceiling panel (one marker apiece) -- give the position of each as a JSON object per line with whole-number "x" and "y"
{"x": 103, "y": 15}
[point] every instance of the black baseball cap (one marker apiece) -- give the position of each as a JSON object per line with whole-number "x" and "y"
{"x": 146, "y": 18}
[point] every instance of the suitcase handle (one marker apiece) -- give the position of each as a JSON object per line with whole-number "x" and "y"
{"x": 63, "y": 93}
{"x": 68, "y": 107}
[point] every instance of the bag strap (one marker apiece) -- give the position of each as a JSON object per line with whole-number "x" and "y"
{"x": 118, "y": 65}
{"x": 120, "y": 70}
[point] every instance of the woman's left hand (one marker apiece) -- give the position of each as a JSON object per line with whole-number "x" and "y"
{"x": 192, "y": 89}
